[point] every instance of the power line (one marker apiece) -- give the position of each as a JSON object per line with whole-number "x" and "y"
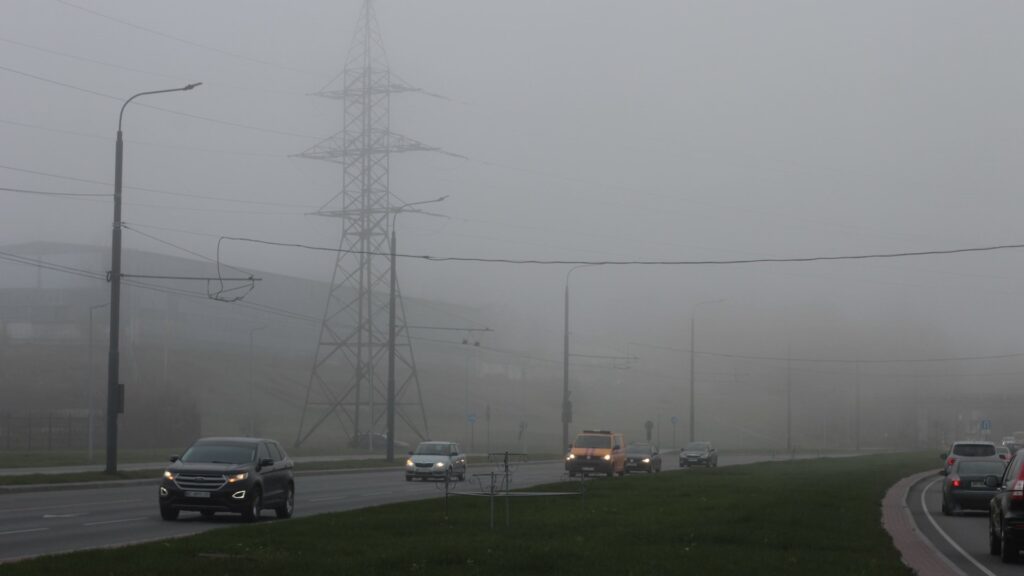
{"x": 183, "y": 40}
{"x": 41, "y": 193}
{"x": 167, "y": 110}
{"x": 806, "y": 259}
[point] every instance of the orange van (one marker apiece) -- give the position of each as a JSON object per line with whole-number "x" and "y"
{"x": 597, "y": 452}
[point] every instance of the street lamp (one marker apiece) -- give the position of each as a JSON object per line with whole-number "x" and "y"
{"x": 92, "y": 377}
{"x": 252, "y": 332}
{"x": 390, "y": 456}
{"x": 114, "y": 390}
{"x": 566, "y": 405}
{"x": 693, "y": 347}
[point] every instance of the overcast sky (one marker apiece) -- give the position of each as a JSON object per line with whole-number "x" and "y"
{"x": 593, "y": 130}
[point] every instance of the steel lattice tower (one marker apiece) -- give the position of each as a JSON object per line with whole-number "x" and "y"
{"x": 347, "y": 380}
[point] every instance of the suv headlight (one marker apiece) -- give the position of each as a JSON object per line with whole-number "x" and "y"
{"x": 237, "y": 477}
{"x": 608, "y": 457}
{"x": 570, "y": 457}
{"x": 168, "y": 475}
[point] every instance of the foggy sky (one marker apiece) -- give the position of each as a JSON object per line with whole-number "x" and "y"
{"x": 593, "y": 130}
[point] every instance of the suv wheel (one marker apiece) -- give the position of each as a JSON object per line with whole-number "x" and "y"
{"x": 995, "y": 545}
{"x": 1009, "y": 550}
{"x": 252, "y": 514}
{"x": 286, "y": 509}
{"x": 947, "y": 510}
{"x": 168, "y": 513}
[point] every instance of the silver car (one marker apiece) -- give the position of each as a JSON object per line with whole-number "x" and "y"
{"x": 436, "y": 460}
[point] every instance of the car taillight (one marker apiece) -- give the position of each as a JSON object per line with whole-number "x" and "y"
{"x": 1018, "y": 490}
{"x": 956, "y": 483}
{"x": 950, "y": 461}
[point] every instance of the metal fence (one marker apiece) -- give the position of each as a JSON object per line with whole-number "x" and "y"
{"x": 49, "y": 430}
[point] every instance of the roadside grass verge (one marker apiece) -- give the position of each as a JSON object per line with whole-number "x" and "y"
{"x": 814, "y": 517}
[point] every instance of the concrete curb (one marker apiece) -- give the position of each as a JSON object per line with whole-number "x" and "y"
{"x": 102, "y": 484}
{"x": 916, "y": 551}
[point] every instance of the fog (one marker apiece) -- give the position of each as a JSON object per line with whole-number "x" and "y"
{"x": 578, "y": 131}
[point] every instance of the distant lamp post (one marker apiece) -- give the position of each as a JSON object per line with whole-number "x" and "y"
{"x": 693, "y": 355}
{"x": 566, "y": 404}
{"x": 392, "y": 319}
{"x": 115, "y": 394}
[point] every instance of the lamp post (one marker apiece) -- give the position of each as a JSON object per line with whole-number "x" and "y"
{"x": 252, "y": 333}
{"x": 392, "y": 290}
{"x": 693, "y": 347}
{"x": 566, "y": 405}
{"x": 114, "y": 390}
{"x": 92, "y": 377}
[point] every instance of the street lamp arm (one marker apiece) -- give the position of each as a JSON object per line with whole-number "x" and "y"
{"x": 120, "y": 116}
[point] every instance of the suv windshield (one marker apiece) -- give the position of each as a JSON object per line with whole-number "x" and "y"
{"x": 433, "y": 450}
{"x": 697, "y": 446}
{"x": 638, "y": 449}
{"x": 593, "y": 441}
{"x": 220, "y": 453}
{"x": 972, "y": 450}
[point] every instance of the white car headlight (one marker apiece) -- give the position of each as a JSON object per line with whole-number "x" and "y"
{"x": 168, "y": 475}
{"x": 237, "y": 477}
{"x": 439, "y": 465}
{"x": 570, "y": 457}
{"x": 409, "y": 463}
{"x": 608, "y": 457}
{"x": 647, "y": 460}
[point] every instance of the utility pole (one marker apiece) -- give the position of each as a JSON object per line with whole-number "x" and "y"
{"x": 789, "y": 400}
{"x": 693, "y": 356}
{"x": 357, "y": 344}
{"x": 856, "y": 420}
{"x": 115, "y": 391}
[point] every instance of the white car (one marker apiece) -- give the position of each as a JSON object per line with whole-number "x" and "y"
{"x": 436, "y": 460}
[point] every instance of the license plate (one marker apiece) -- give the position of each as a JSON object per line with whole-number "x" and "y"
{"x": 977, "y": 484}
{"x": 588, "y": 468}
{"x": 191, "y": 494}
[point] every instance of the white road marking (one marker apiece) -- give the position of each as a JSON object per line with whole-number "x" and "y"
{"x": 924, "y": 506}
{"x": 118, "y": 521}
{"x": 75, "y": 505}
{"x": 25, "y": 531}
{"x": 60, "y": 515}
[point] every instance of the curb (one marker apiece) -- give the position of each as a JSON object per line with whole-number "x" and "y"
{"x": 916, "y": 551}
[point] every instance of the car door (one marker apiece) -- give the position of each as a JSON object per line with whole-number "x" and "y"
{"x": 282, "y": 468}
{"x": 458, "y": 461}
{"x": 271, "y": 480}
{"x": 999, "y": 501}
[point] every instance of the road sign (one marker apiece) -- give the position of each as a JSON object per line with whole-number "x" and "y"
{"x": 986, "y": 424}
{"x": 675, "y": 420}
{"x": 471, "y": 418}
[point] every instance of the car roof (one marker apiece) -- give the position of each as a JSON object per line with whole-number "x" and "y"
{"x": 436, "y": 442}
{"x": 232, "y": 440}
{"x": 977, "y": 442}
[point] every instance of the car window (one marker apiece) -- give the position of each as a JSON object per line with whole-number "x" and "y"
{"x": 433, "y": 449}
{"x": 593, "y": 441}
{"x": 455, "y": 449}
{"x": 263, "y": 452}
{"x": 974, "y": 450}
{"x": 219, "y": 453}
{"x": 280, "y": 450}
{"x": 274, "y": 452}
{"x": 969, "y": 468}
{"x": 1012, "y": 470}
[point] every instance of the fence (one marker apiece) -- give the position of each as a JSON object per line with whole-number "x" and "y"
{"x": 49, "y": 430}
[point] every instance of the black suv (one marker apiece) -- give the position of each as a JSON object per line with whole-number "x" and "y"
{"x": 1006, "y": 510}
{"x": 240, "y": 475}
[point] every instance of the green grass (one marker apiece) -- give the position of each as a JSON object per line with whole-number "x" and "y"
{"x": 42, "y": 458}
{"x": 814, "y": 517}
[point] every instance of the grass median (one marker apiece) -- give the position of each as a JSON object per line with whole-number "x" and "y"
{"x": 815, "y": 517}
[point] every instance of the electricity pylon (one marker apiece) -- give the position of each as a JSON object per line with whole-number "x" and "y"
{"x": 348, "y": 377}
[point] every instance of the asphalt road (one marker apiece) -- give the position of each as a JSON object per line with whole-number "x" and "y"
{"x": 38, "y": 523}
{"x": 963, "y": 538}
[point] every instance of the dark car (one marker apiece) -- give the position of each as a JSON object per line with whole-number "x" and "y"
{"x": 698, "y": 454}
{"x": 1006, "y": 510}
{"x": 642, "y": 457}
{"x": 965, "y": 488}
{"x": 965, "y": 449}
{"x": 239, "y": 475}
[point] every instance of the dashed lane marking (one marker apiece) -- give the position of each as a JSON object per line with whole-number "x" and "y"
{"x": 118, "y": 521}
{"x": 25, "y": 531}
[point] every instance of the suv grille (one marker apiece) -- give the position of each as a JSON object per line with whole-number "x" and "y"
{"x": 199, "y": 481}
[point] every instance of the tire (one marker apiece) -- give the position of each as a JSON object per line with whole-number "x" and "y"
{"x": 1009, "y": 551}
{"x": 206, "y": 513}
{"x": 946, "y": 509}
{"x": 252, "y": 513}
{"x": 286, "y": 509}
{"x": 168, "y": 513}
{"x": 995, "y": 545}
{"x": 462, "y": 476}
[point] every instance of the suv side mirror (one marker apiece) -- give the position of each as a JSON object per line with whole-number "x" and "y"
{"x": 175, "y": 458}
{"x": 265, "y": 462}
